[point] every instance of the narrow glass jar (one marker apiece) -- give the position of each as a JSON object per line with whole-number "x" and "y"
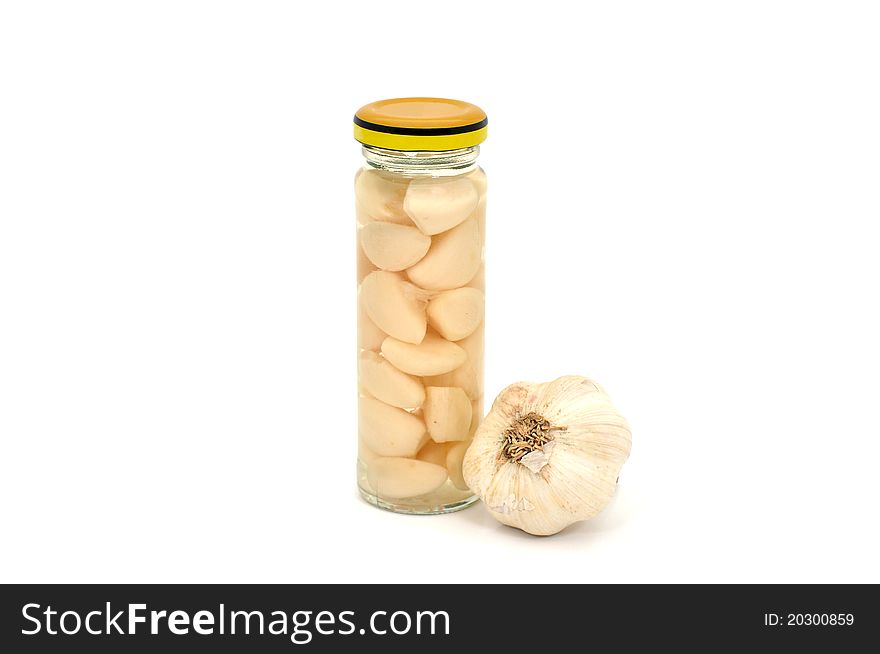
{"x": 421, "y": 225}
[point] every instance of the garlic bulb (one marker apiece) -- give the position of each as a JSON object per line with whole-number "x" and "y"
{"x": 548, "y": 455}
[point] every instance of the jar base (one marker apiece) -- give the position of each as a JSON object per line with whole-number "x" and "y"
{"x": 415, "y": 507}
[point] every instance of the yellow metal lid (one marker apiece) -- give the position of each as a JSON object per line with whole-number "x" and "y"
{"x": 420, "y": 124}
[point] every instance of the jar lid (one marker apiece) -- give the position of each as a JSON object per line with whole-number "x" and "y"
{"x": 420, "y": 124}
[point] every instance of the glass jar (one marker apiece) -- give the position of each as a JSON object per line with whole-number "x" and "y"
{"x": 421, "y": 225}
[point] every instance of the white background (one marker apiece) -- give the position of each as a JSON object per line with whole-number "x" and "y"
{"x": 684, "y": 200}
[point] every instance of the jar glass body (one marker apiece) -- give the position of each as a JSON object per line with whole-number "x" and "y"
{"x": 421, "y": 225}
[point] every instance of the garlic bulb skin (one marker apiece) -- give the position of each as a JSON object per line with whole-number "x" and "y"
{"x": 548, "y": 455}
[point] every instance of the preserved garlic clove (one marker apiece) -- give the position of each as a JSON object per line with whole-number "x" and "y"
{"x": 393, "y": 247}
{"x": 365, "y": 454}
{"x": 439, "y": 204}
{"x": 478, "y": 178}
{"x": 370, "y": 337}
{"x": 476, "y": 417}
{"x": 454, "y": 457}
{"x": 433, "y": 356}
{"x": 388, "y": 384}
{"x": 480, "y": 217}
{"x": 467, "y": 376}
{"x": 394, "y": 306}
{"x": 364, "y": 265}
{"x": 456, "y": 314}
{"x": 389, "y": 431}
{"x": 479, "y": 280}
{"x": 396, "y": 478}
{"x": 474, "y": 346}
{"x": 380, "y": 196}
{"x": 548, "y": 455}
{"x": 463, "y": 377}
{"x": 447, "y": 413}
{"x": 433, "y": 453}
{"x": 452, "y": 260}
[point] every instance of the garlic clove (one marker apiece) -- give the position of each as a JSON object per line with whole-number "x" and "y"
{"x": 439, "y": 204}
{"x": 447, "y": 413}
{"x": 397, "y": 478}
{"x": 394, "y": 306}
{"x": 433, "y": 356}
{"x": 469, "y": 375}
{"x": 389, "y": 431}
{"x": 476, "y": 417}
{"x": 454, "y": 457}
{"x": 479, "y": 280}
{"x": 457, "y": 313}
{"x": 393, "y": 247}
{"x": 453, "y": 259}
{"x": 463, "y": 377}
{"x": 548, "y": 455}
{"x": 433, "y": 453}
{"x": 478, "y": 177}
{"x": 388, "y": 384}
{"x": 456, "y": 450}
{"x": 361, "y": 215}
{"x": 380, "y": 197}
{"x": 474, "y": 346}
{"x": 480, "y": 217}
{"x": 364, "y": 265}
{"x": 365, "y": 454}
{"x": 370, "y": 337}
{"x": 479, "y": 180}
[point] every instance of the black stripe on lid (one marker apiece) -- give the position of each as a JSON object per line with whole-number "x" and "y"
{"x": 418, "y": 131}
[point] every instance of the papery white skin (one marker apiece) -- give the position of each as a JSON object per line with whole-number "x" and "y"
{"x": 580, "y": 476}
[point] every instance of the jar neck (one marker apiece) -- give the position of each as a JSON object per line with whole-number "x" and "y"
{"x": 422, "y": 162}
